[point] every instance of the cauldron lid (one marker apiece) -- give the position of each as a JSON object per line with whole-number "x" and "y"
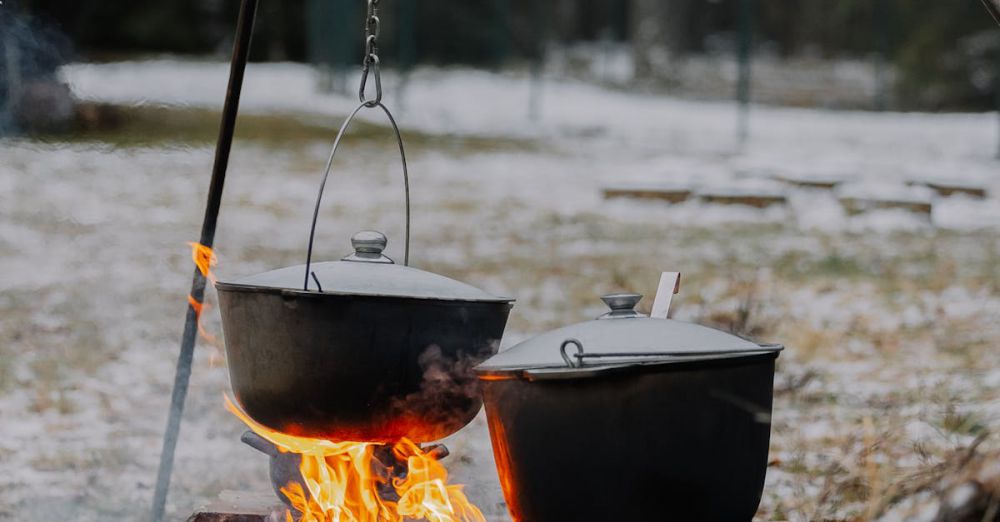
{"x": 620, "y": 337}
{"x": 365, "y": 272}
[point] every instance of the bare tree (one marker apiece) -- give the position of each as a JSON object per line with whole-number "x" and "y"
{"x": 659, "y": 34}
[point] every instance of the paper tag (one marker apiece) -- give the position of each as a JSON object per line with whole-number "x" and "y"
{"x": 670, "y": 284}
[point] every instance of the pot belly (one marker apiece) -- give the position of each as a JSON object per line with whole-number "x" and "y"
{"x": 669, "y": 443}
{"x": 358, "y": 368}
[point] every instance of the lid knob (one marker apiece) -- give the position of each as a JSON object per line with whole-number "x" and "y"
{"x": 368, "y": 246}
{"x": 622, "y": 305}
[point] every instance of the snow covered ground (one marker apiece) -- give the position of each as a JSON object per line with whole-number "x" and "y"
{"x": 891, "y": 318}
{"x": 622, "y": 135}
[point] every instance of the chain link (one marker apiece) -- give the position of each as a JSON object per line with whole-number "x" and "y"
{"x": 370, "y": 62}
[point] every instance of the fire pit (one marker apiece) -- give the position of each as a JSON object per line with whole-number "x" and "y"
{"x": 322, "y": 481}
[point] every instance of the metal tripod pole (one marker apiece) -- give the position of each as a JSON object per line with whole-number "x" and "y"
{"x": 241, "y": 50}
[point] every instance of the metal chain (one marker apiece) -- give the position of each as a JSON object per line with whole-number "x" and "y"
{"x": 370, "y": 62}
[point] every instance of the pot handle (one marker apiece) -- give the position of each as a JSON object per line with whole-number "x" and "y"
{"x": 580, "y": 355}
{"x": 326, "y": 175}
{"x": 259, "y": 443}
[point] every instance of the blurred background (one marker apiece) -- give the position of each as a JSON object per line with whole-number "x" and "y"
{"x": 859, "y": 54}
{"x": 824, "y": 174}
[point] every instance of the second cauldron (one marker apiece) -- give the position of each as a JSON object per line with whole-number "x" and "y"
{"x": 631, "y": 418}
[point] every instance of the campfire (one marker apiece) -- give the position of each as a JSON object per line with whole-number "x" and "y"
{"x": 365, "y": 482}
{"x": 341, "y": 369}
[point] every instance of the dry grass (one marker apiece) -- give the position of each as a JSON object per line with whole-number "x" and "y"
{"x": 144, "y": 126}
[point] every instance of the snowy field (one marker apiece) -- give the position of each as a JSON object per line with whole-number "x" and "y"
{"x": 891, "y": 318}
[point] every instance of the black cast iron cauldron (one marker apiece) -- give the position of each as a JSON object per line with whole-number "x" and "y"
{"x": 631, "y": 418}
{"x": 376, "y": 352}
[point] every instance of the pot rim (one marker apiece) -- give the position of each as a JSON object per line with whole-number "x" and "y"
{"x": 561, "y": 373}
{"x": 298, "y": 292}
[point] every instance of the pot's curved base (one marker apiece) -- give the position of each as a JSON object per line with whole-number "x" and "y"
{"x": 386, "y": 427}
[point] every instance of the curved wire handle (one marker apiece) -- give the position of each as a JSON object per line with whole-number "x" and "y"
{"x": 579, "y": 353}
{"x": 326, "y": 175}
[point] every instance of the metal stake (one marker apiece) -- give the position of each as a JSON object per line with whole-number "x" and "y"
{"x": 241, "y": 50}
{"x": 881, "y": 29}
{"x": 993, "y": 8}
{"x": 536, "y": 91}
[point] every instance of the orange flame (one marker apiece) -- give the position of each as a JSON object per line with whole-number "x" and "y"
{"x": 204, "y": 258}
{"x": 342, "y": 486}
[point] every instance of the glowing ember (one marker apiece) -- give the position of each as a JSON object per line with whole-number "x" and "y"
{"x": 342, "y": 484}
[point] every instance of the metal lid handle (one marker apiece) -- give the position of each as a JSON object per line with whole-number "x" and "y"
{"x": 368, "y": 246}
{"x": 621, "y": 305}
{"x": 326, "y": 175}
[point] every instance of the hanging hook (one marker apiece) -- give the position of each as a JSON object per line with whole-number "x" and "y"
{"x": 371, "y": 65}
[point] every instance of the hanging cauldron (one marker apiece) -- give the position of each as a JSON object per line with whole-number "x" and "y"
{"x": 631, "y": 418}
{"x": 373, "y": 351}
{"x": 380, "y": 352}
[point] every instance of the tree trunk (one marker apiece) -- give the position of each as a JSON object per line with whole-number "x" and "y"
{"x": 659, "y": 35}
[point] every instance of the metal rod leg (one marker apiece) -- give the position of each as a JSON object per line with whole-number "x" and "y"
{"x": 241, "y": 49}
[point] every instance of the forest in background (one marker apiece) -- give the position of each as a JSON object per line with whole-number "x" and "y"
{"x": 946, "y": 55}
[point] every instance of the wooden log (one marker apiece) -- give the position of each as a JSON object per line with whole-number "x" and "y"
{"x": 660, "y": 193}
{"x": 230, "y": 517}
{"x": 240, "y": 506}
{"x": 947, "y": 188}
{"x": 858, "y": 205}
{"x": 828, "y": 183}
{"x": 761, "y": 200}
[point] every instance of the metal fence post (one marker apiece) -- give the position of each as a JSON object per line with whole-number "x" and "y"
{"x": 743, "y": 80}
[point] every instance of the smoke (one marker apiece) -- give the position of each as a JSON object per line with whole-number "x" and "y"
{"x": 32, "y": 98}
{"x": 449, "y": 393}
